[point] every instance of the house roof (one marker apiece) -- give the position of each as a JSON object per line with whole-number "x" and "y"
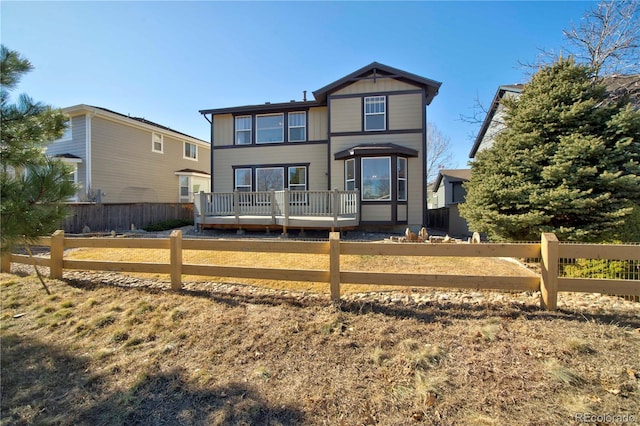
{"x": 513, "y": 88}
{"x": 265, "y": 107}
{"x": 188, "y": 171}
{"x": 129, "y": 119}
{"x": 376, "y": 149}
{"x": 459, "y": 174}
{"x": 380, "y": 71}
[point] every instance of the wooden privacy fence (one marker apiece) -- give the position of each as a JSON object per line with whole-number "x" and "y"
{"x": 549, "y": 251}
{"x": 119, "y": 217}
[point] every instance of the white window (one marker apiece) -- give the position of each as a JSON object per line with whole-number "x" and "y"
{"x": 297, "y": 178}
{"x": 270, "y": 128}
{"x": 297, "y": 126}
{"x": 375, "y": 113}
{"x": 190, "y": 151}
{"x": 68, "y": 131}
{"x": 243, "y": 130}
{"x": 270, "y": 179}
{"x": 376, "y": 179}
{"x": 157, "y": 143}
{"x": 243, "y": 180}
{"x": 402, "y": 179}
{"x": 184, "y": 189}
{"x": 350, "y": 174}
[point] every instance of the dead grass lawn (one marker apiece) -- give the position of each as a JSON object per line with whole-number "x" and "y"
{"x": 101, "y": 355}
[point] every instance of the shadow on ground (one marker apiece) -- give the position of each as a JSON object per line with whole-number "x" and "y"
{"x": 44, "y": 384}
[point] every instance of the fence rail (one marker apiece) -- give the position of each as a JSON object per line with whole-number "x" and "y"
{"x": 549, "y": 251}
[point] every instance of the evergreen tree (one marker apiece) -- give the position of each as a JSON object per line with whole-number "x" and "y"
{"x": 568, "y": 162}
{"x": 33, "y": 188}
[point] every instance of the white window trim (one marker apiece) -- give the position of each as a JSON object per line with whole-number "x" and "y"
{"x": 384, "y": 113}
{"x": 405, "y": 179}
{"x": 250, "y": 129}
{"x": 184, "y": 148}
{"x": 258, "y": 128}
{"x": 153, "y": 143}
{"x": 235, "y": 179}
{"x": 304, "y": 126}
{"x": 346, "y": 179}
{"x": 302, "y": 185}
{"x": 384, "y": 200}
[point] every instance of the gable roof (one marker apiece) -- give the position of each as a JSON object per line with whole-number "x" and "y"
{"x": 380, "y": 71}
{"x": 127, "y": 119}
{"x": 512, "y": 88}
{"x": 459, "y": 174}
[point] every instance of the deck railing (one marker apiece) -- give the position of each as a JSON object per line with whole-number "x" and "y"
{"x": 285, "y": 203}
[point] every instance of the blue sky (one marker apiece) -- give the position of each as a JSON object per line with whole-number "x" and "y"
{"x": 166, "y": 60}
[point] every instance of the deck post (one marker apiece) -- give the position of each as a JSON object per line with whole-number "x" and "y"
{"x": 199, "y": 206}
{"x": 334, "y": 265}
{"x": 286, "y": 202}
{"x": 336, "y": 206}
{"x": 357, "y": 205}
{"x": 549, "y": 275}
{"x": 236, "y": 206}
{"x": 272, "y": 201}
{"x": 175, "y": 241}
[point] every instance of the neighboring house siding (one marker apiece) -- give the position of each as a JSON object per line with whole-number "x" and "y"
{"x": 313, "y": 154}
{"x": 126, "y": 170}
{"x": 495, "y": 127}
{"x": 77, "y": 146}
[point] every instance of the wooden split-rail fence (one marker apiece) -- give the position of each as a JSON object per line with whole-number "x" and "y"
{"x": 549, "y": 251}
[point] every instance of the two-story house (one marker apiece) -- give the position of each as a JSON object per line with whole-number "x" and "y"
{"x": 365, "y": 132}
{"x": 121, "y": 159}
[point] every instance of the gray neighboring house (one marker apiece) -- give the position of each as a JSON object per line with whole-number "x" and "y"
{"x": 449, "y": 192}
{"x": 121, "y": 159}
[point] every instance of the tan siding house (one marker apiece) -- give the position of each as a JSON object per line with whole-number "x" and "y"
{"x": 122, "y": 159}
{"x": 364, "y": 132}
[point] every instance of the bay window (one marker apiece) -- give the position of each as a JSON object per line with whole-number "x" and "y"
{"x": 376, "y": 179}
{"x": 402, "y": 179}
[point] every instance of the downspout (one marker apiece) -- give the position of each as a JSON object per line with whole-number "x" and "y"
{"x": 210, "y": 150}
{"x": 425, "y": 207}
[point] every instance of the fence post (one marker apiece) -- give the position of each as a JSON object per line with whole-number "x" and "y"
{"x": 5, "y": 258}
{"x": 334, "y": 265}
{"x": 549, "y": 271}
{"x": 57, "y": 254}
{"x": 175, "y": 240}
{"x": 336, "y": 206}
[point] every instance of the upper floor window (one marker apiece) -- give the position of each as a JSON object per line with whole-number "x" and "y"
{"x": 270, "y": 128}
{"x": 297, "y": 126}
{"x": 243, "y": 130}
{"x": 375, "y": 112}
{"x": 157, "y": 143}
{"x": 190, "y": 151}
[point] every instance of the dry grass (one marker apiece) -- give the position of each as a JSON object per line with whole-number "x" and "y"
{"x": 364, "y": 263}
{"x": 100, "y": 355}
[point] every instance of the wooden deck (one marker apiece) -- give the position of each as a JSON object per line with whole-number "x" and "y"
{"x": 286, "y": 209}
